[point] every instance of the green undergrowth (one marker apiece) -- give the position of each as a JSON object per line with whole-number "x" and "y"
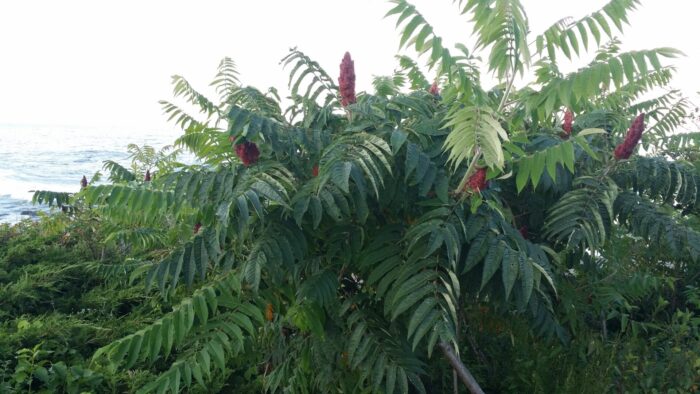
{"x": 63, "y": 295}
{"x": 56, "y": 309}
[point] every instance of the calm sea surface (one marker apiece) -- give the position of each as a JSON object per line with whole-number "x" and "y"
{"x": 56, "y": 157}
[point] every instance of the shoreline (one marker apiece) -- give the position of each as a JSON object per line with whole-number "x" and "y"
{"x": 14, "y": 210}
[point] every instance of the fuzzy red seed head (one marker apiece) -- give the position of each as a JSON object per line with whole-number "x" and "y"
{"x": 567, "y": 126}
{"x": 83, "y": 182}
{"x": 634, "y": 134}
{"x": 523, "y": 231}
{"x": 434, "y": 89}
{"x": 197, "y": 227}
{"x": 147, "y": 178}
{"x": 621, "y": 152}
{"x": 346, "y": 82}
{"x": 477, "y": 181}
{"x": 231, "y": 139}
{"x": 314, "y": 171}
{"x": 248, "y": 153}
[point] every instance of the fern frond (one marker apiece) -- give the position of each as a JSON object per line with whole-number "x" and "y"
{"x": 182, "y": 119}
{"x": 135, "y": 204}
{"x": 254, "y": 100}
{"x": 275, "y": 251}
{"x": 583, "y": 216}
{"x": 573, "y": 90}
{"x": 557, "y": 155}
{"x": 474, "y": 128}
{"x": 624, "y": 98}
{"x": 52, "y": 199}
{"x": 669, "y": 118}
{"x": 143, "y": 237}
{"x": 194, "y": 258}
{"x": 385, "y": 86}
{"x": 182, "y": 88}
{"x": 567, "y": 35}
{"x": 414, "y": 73}
{"x": 673, "y": 144}
{"x": 283, "y": 139}
{"x": 658, "y": 228}
{"x": 533, "y": 165}
{"x": 117, "y": 172}
{"x": 497, "y": 245}
{"x": 363, "y": 152}
{"x": 501, "y": 25}
{"x": 383, "y": 363}
{"x": 215, "y": 312}
{"x": 417, "y": 32}
{"x": 309, "y": 72}
{"x": 210, "y": 145}
{"x": 116, "y": 271}
{"x": 423, "y": 170}
{"x": 226, "y": 82}
{"x": 671, "y": 183}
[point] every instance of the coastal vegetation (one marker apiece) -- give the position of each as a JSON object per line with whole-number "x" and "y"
{"x": 432, "y": 235}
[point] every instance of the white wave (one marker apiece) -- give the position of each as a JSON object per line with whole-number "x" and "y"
{"x": 23, "y": 190}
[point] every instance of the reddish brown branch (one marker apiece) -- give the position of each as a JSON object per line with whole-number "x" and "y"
{"x": 462, "y": 372}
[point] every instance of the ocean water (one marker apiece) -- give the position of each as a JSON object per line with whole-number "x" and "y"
{"x": 56, "y": 157}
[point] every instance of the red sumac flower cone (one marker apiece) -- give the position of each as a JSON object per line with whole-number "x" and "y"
{"x": 248, "y": 153}
{"x": 346, "y": 82}
{"x": 434, "y": 89}
{"x": 634, "y": 134}
{"x": 567, "y": 126}
{"x": 477, "y": 181}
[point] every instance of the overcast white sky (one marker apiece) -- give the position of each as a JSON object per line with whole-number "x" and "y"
{"x": 108, "y": 63}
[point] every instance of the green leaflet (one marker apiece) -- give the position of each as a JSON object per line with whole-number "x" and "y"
{"x": 509, "y": 269}
{"x": 472, "y": 128}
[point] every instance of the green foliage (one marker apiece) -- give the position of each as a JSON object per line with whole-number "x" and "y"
{"x": 568, "y": 34}
{"x": 52, "y": 199}
{"x": 417, "y": 32}
{"x": 575, "y": 89}
{"x": 56, "y": 310}
{"x": 309, "y": 72}
{"x": 657, "y": 227}
{"x": 145, "y": 158}
{"x": 117, "y": 172}
{"x": 221, "y": 336}
{"x": 364, "y": 238}
{"x": 502, "y": 26}
{"x": 582, "y": 217}
{"x": 558, "y": 154}
{"x": 475, "y": 129}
